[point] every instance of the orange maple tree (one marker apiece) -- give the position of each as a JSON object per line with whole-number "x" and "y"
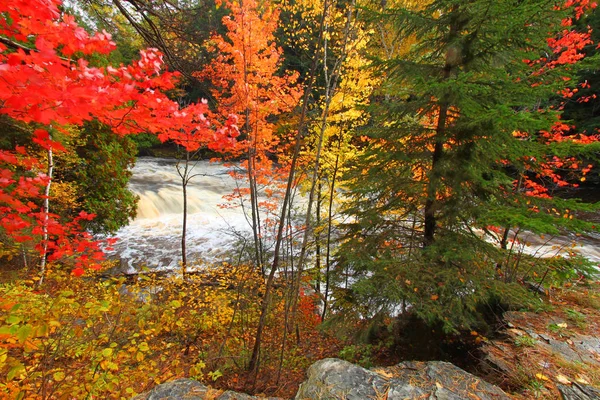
{"x": 245, "y": 74}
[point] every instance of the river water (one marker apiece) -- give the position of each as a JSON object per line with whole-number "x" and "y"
{"x": 154, "y": 237}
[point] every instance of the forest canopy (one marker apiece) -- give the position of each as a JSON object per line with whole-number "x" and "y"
{"x": 388, "y": 156}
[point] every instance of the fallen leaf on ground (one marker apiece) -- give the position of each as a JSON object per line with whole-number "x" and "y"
{"x": 563, "y": 379}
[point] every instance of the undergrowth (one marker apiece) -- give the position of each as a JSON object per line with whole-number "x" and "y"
{"x": 110, "y": 338}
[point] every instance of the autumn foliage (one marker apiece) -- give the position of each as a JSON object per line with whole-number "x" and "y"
{"x": 454, "y": 133}
{"x": 48, "y": 84}
{"x": 80, "y": 338}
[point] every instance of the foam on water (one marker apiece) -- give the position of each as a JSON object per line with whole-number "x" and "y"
{"x": 154, "y": 237}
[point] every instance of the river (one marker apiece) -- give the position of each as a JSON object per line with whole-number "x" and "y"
{"x": 154, "y": 237}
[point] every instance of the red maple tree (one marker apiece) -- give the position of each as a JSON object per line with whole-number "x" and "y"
{"x": 48, "y": 84}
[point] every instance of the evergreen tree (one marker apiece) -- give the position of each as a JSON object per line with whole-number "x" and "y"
{"x": 452, "y": 137}
{"x": 102, "y": 177}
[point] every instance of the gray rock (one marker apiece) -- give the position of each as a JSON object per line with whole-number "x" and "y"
{"x": 179, "y": 389}
{"x": 585, "y": 349}
{"x": 588, "y": 346}
{"x": 231, "y": 395}
{"x": 188, "y": 389}
{"x": 336, "y": 379}
{"x": 578, "y": 392}
{"x": 577, "y": 348}
{"x": 563, "y": 350}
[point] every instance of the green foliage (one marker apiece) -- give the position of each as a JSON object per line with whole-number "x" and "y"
{"x": 558, "y": 328}
{"x": 578, "y": 318}
{"x": 358, "y": 353}
{"x": 442, "y": 161}
{"x": 536, "y": 387}
{"x": 525, "y": 341}
{"x": 145, "y": 142}
{"x": 100, "y": 172}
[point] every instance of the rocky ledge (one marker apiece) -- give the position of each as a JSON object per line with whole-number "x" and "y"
{"x": 189, "y": 389}
{"x": 337, "y": 379}
{"x": 558, "y": 355}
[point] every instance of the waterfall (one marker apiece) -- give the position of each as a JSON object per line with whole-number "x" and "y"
{"x": 153, "y": 237}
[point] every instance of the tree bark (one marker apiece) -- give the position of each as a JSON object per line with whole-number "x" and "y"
{"x": 46, "y": 211}
{"x": 254, "y": 359}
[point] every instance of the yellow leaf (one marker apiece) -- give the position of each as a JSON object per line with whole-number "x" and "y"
{"x": 58, "y": 376}
{"x": 541, "y": 376}
{"x": 563, "y": 379}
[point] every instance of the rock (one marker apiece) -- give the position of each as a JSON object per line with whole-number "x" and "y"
{"x": 563, "y": 350}
{"x": 588, "y": 346}
{"x": 497, "y": 359}
{"x": 337, "y": 379}
{"x": 332, "y": 379}
{"x": 189, "y": 389}
{"x": 577, "y": 391}
{"x": 231, "y": 395}
{"x": 575, "y": 348}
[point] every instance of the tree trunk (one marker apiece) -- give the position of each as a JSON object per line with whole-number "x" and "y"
{"x": 318, "y": 238}
{"x": 264, "y": 307}
{"x": 329, "y": 228}
{"x": 46, "y": 211}
{"x": 331, "y": 86}
{"x": 430, "y": 223}
{"x": 430, "y": 203}
{"x": 185, "y": 180}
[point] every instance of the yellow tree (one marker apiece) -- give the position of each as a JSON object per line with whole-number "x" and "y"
{"x": 343, "y": 86}
{"x": 346, "y": 114}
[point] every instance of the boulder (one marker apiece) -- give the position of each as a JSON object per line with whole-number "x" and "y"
{"x": 337, "y": 379}
{"x": 189, "y": 389}
{"x": 577, "y": 391}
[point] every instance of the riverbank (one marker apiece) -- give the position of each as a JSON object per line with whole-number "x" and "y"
{"x": 109, "y": 337}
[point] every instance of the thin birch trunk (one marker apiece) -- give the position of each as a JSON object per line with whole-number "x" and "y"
{"x": 331, "y": 86}
{"x": 46, "y": 211}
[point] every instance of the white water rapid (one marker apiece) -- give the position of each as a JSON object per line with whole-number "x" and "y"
{"x": 154, "y": 237}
